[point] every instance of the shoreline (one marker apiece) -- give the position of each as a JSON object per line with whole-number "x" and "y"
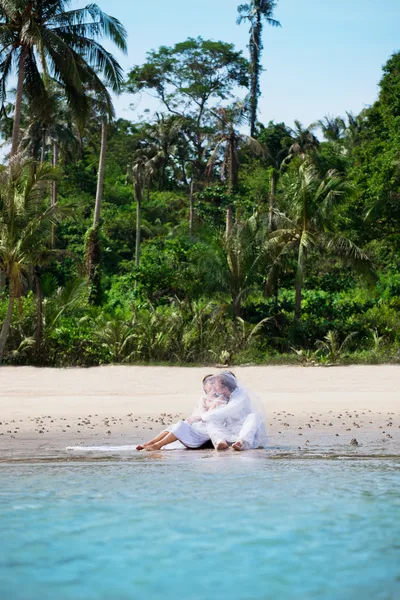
{"x": 45, "y": 410}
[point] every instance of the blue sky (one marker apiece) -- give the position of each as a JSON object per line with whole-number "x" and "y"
{"x": 326, "y": 58}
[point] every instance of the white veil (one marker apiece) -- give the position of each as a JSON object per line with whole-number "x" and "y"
{"x": 240, "y": 404}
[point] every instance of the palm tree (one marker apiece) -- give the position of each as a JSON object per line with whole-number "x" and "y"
{"x": 354, "y": 129}
{"x": 305, "y": 143}
{"x": 41, "y": 37}
{"x": 47, "y": 132}
{"x": 310, "y": 200}
{"x": 275, "y": 140}
{"x": 233, "y": 264}
{"x": 333, "y": 128}
{"x": 25, "y": 225}
{"x": 163, "y": 137}
{"x": 229, "y": 139}
{"x": 255, "y": 13}
{"x": 141, "y": 172}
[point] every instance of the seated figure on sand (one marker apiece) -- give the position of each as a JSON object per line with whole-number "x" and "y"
{"x": 225, "y": 415}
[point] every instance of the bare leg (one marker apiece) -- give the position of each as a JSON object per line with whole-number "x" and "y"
{"x": 162, "y": 435}
{"x": 168, "y": 439}
{"x": 247, "y": 436}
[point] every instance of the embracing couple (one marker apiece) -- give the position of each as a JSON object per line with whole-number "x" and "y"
{"x": 225, "y": 415}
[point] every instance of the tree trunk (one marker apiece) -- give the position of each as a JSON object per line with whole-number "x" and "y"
{"x": 5, "y": 330}
{"x": 299, "y": 285}
{"x": 297, "y": 312}
{"x": 237, "y": 306}
{"x": 100, "y": 175}
{"x": 138, "y": 199}
{"x": 39, "y": 316}
{"x": 272, "y": 194}
{"x": 54, "y": 192}
{"x": 2, "y": 281}
{"x": 43, "y": 146}
{"x": 162, "y": 176}
{"x": 229, "y": 220}
{"x": 92, "y": 255}
{"x": 191, "y": 208}
{"x": 255, "y": 49}
{"x": 18, "y": 102}
{"x": 232, "y": 182}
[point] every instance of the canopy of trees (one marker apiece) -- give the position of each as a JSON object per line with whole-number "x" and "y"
{"x": 200, "y": 235}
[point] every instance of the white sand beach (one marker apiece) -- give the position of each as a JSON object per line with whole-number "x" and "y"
{"x": 306, "y": 407}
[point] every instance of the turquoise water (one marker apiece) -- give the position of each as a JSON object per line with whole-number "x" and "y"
{"x": 237, "y": 527}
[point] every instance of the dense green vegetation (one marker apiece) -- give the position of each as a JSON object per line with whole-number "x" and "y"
{"x": 182, "y": 239}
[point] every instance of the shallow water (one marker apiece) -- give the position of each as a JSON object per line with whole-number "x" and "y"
{"x": 200, "y": 526}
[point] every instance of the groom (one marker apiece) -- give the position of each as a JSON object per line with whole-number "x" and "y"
{"x": 235, "y": 423}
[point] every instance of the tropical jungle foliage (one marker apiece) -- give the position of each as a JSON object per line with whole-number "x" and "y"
{"x": 199, "y": 235}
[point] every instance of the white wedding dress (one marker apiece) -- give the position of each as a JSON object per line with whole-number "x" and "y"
{"x": 239, "y": 419}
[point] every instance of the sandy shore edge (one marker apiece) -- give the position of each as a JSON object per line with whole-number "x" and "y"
{"x": 116, "y": 405}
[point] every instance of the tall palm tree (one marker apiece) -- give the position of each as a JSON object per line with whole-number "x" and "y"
{"x": 255, "y": 13}
{"x": 354, "y": 129}
{"x": 310, "y": 200}
{"x": 305, "y": 143}
{"x": 275, "y": 140}
{"x": 141, "y": 172}
{"x": 163, "y": 137}
{"x": 228, "y": 139}
{"x": 333, "y": 128}
{"x": 42, "y": 37}
{"x": 25, "y": 225}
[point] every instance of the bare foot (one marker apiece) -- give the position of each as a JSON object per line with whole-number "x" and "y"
{"x": 152, "y": 447}
{"x": 238, "y": 446}
{"x": 139, "y": 447}
{"x": 222, "y": 445}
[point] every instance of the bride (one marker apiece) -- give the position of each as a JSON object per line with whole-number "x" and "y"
{"x": 225, "y": 415}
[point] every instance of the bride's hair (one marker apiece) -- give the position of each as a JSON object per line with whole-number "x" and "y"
{"x": 207, "y": 377}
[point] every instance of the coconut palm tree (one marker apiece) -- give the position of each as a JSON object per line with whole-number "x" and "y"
{"x": 310, "y": 200}
{"x": 234, "y": 264}
{"x": 140, "y": 173}
{"x": 354, "y": 130}
{"x": 41, "y": 37}
{"x": 333, "y": 128}
{"x": 255, "y": 13}
{"x": 163, "y": 137}
{"x": 102, "y": 110}
{"x": 275, "y": 140}
{"x": 25, "y": 225}
{"x": 228, "y": 139}
{"x": 305, "y": 143}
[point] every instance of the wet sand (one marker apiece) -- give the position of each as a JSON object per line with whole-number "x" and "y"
{"x": 309, "y": 410}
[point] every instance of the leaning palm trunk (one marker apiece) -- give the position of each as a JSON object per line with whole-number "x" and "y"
{"x": 92, "y": 249}
{"x": 18, "y": 102}
{"x": 5, "y": 330}
{"x": 100, "y": 176}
